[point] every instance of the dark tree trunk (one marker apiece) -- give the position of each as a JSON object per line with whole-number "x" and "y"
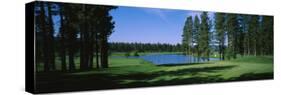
{"x": 71, "y": 61}
{"x": 82, "y": 49}
{"x": 223, "y": 52}
{"x": 208, "y": 55}
{"x": 51, "y": 38}
{"x": 82, "y": 31}
{"x": 87, "y": 44}
{"x": 97, "y": 51}
{"x": 91, "y": 48}
{"x": 62, "y": 42}
{"x": 235, "y": 49}
{"x": 46, "y": 54}
{"x": 52, "y": 57}
{"x": 220, "y": 51}
{"x": 84, "y": 41}
{"x": 71, "y": 43}
{"x": 198, "y": 54}
{"x": 91, "y": 62}
{"x": 42, "y": 24}
{"x": 63, "y": 56}
{"x": 104, "y": 53}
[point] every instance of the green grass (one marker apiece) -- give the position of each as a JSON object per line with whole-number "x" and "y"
{"x": 143, "y": 53}
{"x": 133, "y": 72}
{"x": 225, "y": 70}
{"x": 115, "y": 62}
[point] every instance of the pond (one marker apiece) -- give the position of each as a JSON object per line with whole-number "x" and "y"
{"x": 163, "y": 59}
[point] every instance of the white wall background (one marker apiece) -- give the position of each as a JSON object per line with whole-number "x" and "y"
{"x": 12, "y": 47}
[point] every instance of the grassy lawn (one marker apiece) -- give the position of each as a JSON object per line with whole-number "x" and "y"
{"x": 224, "y": 70}
{"x": 133, "y": 72}
{"x": 143, "y": 53}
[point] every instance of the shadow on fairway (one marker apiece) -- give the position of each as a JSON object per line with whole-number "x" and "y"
{"x": 53, "y": 82}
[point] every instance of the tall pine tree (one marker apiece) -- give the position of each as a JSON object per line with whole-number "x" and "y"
{"x": 220, "y": 31}
{"x": 204, "y": 40}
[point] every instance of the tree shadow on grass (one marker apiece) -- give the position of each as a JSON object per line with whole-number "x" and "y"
{"x": 55, "y": 81}
{"x": 64, "y": 82}
{"x": 186, "y": 71}
{"x": 253, "y": 76}
{"x": 201, "y": 80}
{"x": 142, "y": 79}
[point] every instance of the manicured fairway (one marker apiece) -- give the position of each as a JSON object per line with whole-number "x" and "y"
{"x": 133, "y": 72}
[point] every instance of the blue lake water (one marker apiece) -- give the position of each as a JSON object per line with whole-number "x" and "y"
{"x": 160, "y": 59}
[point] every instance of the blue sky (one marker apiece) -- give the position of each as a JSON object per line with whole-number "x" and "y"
{"x": 146, "y": 25}
{"x": 149, "y": 25}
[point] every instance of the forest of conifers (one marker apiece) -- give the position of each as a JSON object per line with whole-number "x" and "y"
{"x": 233, "y": 34}
{"x": 84, "y": 29}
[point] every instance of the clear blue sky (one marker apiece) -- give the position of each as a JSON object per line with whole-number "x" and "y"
{"x": 149, "y": 25}
{"x": 146, "y": 25}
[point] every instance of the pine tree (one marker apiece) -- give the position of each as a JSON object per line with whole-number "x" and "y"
{"x": 196, "y": 36}
{"x": 232, "y": 28}
{"x": 268, "y": 34}
{"x": 188, "y": 37}
{"x": 203, "y": 42}
{"x": 43, "y": 29}
{"x": 245, "y": 32}
{"x": 106, "y": 26}
{"x": 253, "y": 30}
{"x": 220, "y": 31}
{"x": 72, "y": 27}
{"x": 62, "y": 39}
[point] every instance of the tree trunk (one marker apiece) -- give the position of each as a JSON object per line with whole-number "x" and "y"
{"x": 82, "y": 56}
{"x": 220, "y": 51}
{"x": 63, "y": 58}
{"x": 51, "y": 38}
{"x": 91, "y": 62}
{"x": 82, "y": 41}
{"x": 45, "y": 38}
{"x": 46, "y": 54}
{"x": 198, "y": 54}
{"x": 97, "y": 51}
{"x": 71, "y": 61}
{"x": 97, "y": 55}
{"x": 223, "y": 52}
{"x": 62, "y": 42}
{"x": 104, "y": 53}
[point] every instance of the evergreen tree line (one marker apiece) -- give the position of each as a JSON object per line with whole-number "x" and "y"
{"x": 83, "y": 33}
{"x": 234, "y": 34}
{"x": 196, "y": 36}
{"x": 144, "y": 47}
